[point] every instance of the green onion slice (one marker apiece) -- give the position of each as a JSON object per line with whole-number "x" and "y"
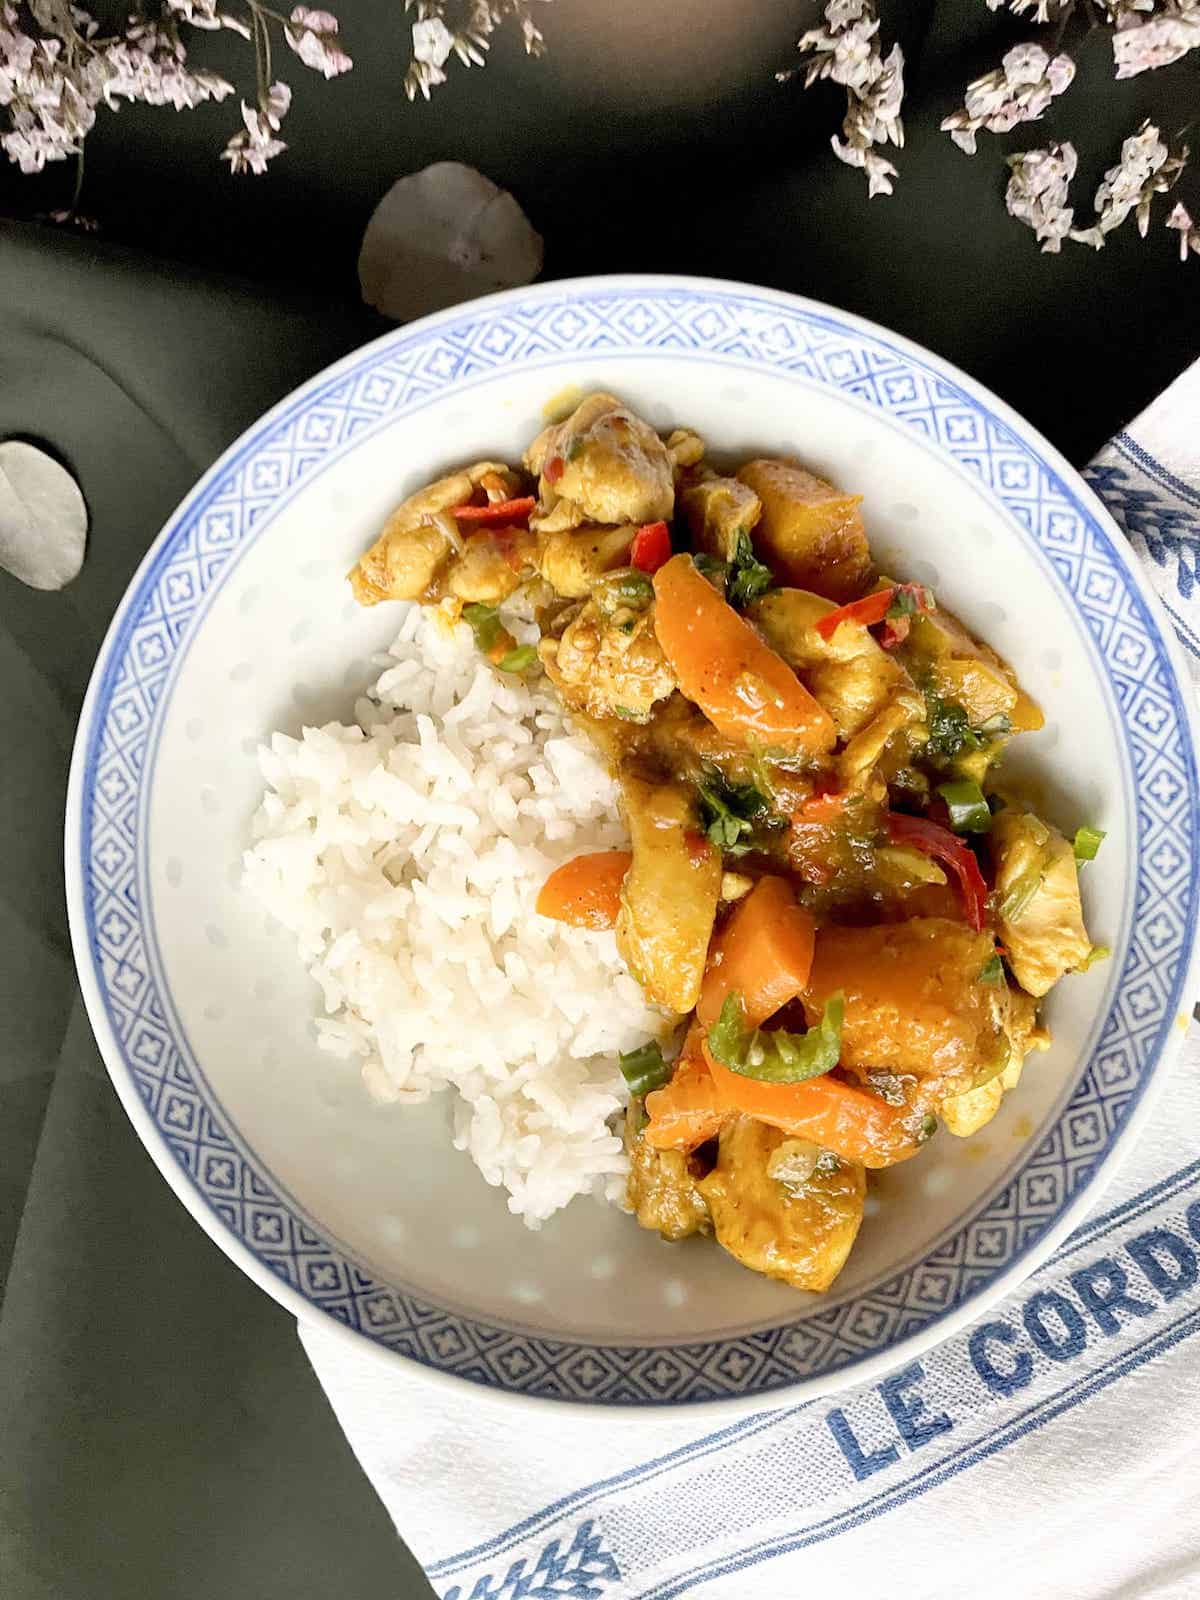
{"x": 968, "y": 808}
{"x": 484, "y": 622}
{"x": 1022, "y": 892}
{"x": 645, "y": 1069}
{"x": 625, "y": 587}
{"x": 776, "y": 1056}
{"x": 518, "y": 660}
{"x": 1098, "y": 952}
{"x": 1087, "y": 843}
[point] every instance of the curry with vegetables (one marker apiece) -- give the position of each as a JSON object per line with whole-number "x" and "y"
{"x": 845, "y": 918}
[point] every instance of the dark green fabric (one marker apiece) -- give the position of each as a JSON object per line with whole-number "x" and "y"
{"x": 161, "y": 1433}
{"x": 161, "y": 1436}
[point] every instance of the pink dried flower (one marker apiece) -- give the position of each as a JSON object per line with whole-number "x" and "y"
{"x": 1157, "y": 41}
{"x": 1043, "y": 10}
{"x": 55, "y": 71}
{"x": 432, "y": 46}
{"x": 1019, "y": 90}
{"x": 254, "y": 144}
{"x": 465, "y": 30}
{"x": 1038, "y": 190}
{"x": 1189, "y": 235}
{"x": 847, "y": 51}
{"x": 199, "y": 13}
{"x": 318, "y": 21}
{"x": 1146, "y": 168}
{"x": 313, "y": 35}
{"x": 276, "y": 103}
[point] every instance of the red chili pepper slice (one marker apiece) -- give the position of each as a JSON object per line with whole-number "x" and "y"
{"x": 498, "y": 511}
{"x": 934, "y": 840}
{"x": 895, "y": 631}
{"x": 554, "y": 469}
{"x": 651, "y": 547}
{"x": 872, "y": 608}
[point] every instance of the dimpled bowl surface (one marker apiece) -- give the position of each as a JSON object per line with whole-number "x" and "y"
{"x": 239, "y": 622}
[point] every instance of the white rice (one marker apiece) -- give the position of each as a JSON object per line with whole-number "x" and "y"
{"x": 405, "y": 852}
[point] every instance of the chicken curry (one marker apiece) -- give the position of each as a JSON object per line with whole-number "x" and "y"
{"x": 828, "y": 890}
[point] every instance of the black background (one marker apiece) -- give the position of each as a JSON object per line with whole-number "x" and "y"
{"x": 160, "y": 1432}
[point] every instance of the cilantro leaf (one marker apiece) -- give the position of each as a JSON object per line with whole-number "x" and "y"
{"x": 950, "y": 730}
{"x": 730, "y": 811}
{"x": 748, "y": 577}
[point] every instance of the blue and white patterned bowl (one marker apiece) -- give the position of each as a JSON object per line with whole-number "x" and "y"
{"x": 237, "y": 623}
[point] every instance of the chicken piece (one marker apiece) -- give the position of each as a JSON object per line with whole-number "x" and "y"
{"x": 849, "y": 673}
{"x": 490, "y": 566}
{"x": 603, "y": 464}
{"x": 900, "y": 867}
{"x": 1037, "y": 892}
{"x": 970, "y": 674}
{"x": 857, "y": 762}
{"x": 608, "y": 667}
{"x": 670, "y": 893}
{"x": 810, "y": 534}
{"x": 662, "y": 1189}
{"x": 404, "y": 560}
{"x": 717, "y": 510}
{"x": 964, "y": 1114}
{"x": 685, "y": 448}
{"x": 798, "y": 1233}
{"x": 913, "y": 1000}
{"x": 571, "y": 562}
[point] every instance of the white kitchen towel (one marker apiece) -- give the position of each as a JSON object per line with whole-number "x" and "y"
{"x": 1051, "y": 1450}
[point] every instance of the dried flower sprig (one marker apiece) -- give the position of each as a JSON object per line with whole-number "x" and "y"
{"x": 1019, "y": 90}
{"x": 847, "y": 50}
{"x": 1145, "y": 43}
{"x": 1146, "y": 35}
{"x": 56, "y": 69}
{"x": 1037, "y": 192}
{"x": 311, "y": 35}
{"x": 1039, "y": 189}
{"x": 1147, "y": 168}
{"x": 462, "y": 28}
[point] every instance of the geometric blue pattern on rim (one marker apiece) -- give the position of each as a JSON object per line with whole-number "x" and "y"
{"x": 709, "y": 323}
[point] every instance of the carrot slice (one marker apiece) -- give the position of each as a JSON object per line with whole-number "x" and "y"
{"x": 744, "y": 689}
{"x": 825, "y": 807}
{"x": 857, "y": 1126}
{"x": 586, "y": 891}
{"x": 688, "y": 1110}
{"x": 764, "y": 952}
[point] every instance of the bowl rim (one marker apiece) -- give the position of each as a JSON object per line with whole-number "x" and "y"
{"x": 865, "y": 1369}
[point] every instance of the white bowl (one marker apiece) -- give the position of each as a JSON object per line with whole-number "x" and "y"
{"x": 238, "y": 622}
